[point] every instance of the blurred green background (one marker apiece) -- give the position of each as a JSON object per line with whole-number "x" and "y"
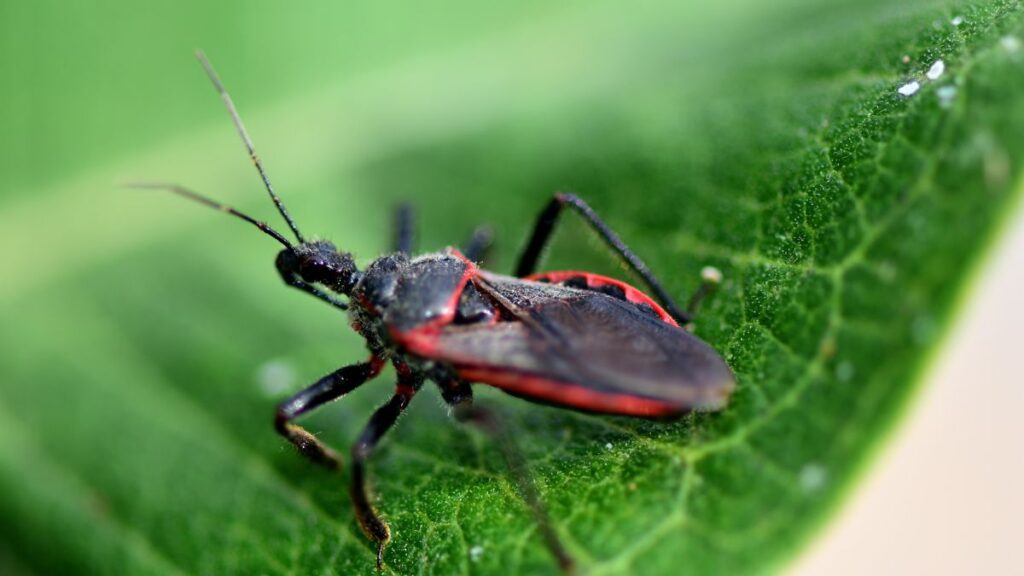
{"x": 146, "y": 341}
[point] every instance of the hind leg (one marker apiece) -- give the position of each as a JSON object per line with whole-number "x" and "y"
{"x": 545, "y": 225}
{"x": 459, "y": 396}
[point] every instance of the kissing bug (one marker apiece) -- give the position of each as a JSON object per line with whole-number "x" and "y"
{"x": 569, "y": 339}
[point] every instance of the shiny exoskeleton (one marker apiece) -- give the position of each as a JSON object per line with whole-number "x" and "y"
{"x": 570, "y": 339}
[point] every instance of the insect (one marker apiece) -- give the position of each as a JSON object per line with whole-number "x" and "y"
{"x": 575, "y": 340}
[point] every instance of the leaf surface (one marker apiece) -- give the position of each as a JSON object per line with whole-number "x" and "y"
{"x": 146, "y": 342}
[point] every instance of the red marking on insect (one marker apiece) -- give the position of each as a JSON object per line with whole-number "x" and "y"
{"x": 377, "y": 364}
{"x": 597, "y": 281}
{"x": 569, "y": 339}
{"x": 569, "y": 395}
{"x": 446, "y": 315}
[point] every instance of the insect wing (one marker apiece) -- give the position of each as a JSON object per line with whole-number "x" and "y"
{"x": 586, "y": 350}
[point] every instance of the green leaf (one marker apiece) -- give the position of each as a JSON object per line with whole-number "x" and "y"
{"x": 146, "y": 342}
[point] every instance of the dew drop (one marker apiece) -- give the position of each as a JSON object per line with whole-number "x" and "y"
{"x": 996, "y": 167}
{"x": 844, "y": 371}
{"x": 813, "y": 477}
{"x": 923, "y": 329}
{"x": 957, "y": 20}
{"x": 1010, "y": 43}
{"x": 910, "y": 88}
{"x": 945, "y": 95}
{"x": 711, "y": 274}
{"x": 936, "y": 70}
{"x": 275, "y": 377}
{"x": 476, "y": 552}
{"x": 608, "y": 446}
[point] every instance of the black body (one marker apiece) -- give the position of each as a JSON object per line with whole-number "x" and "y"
{"x": 569, "y": 339}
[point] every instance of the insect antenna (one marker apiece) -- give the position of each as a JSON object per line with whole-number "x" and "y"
{"x": 182, "y": 191}
{"x": 247, "y": 141}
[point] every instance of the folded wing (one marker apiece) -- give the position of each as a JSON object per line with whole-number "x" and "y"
{"x": 587, "y": 350}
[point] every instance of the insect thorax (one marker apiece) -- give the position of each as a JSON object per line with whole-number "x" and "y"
{"x": 397, "y": 295}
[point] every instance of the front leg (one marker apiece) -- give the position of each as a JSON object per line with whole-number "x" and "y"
{"x": 324, "y": 390}
{"x": 382, "y": 420}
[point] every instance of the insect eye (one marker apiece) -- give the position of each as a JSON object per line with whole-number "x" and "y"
{"x": 311, "y": 269}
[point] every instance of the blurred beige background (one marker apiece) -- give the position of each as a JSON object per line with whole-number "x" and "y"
{"x": 945, "y": 496}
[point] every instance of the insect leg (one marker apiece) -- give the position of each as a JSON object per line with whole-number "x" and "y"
{"x": 324, "y": 390}
{"x": 292, "y": 279}
{"x": 459, "y": 396}
{"x": 479, "y": 244}
{"x": 546, "y": 224}
{"x": 404, "y": 229}
{"x": 381, "y": 421}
